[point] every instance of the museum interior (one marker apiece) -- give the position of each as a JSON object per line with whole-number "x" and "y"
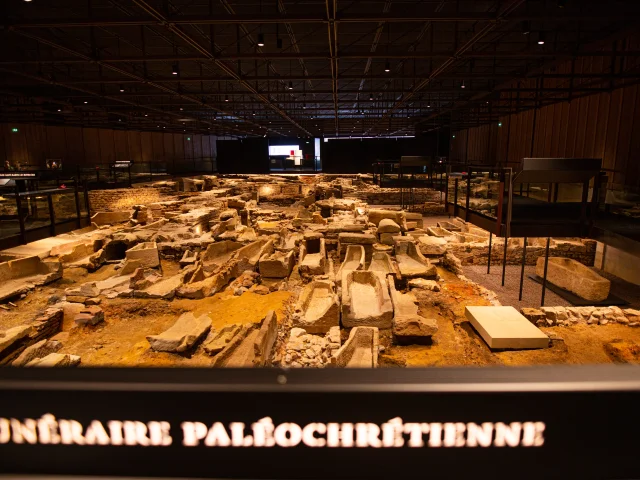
{"x": 319, "y": 184}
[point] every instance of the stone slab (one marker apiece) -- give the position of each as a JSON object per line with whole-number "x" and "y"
{"x": 504, "y": 327}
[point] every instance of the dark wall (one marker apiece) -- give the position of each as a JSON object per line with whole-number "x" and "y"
{"x": 248, "y": 155}
{"x": 32, "y": 144}
{"x": 357, "y": 155}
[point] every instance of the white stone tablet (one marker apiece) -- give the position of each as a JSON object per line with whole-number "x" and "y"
{"x": 505, "y": 327}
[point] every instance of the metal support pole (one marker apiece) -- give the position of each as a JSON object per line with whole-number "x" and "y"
{"x": 504, "y": 259}
{"x": 86, "y": 199}
{"x": 489, "y": 256}
{"x": 524, "y": 261}
{"x": 466, "y": 205}
{"x": 75, "y": 195}
{"x": 52, "y": 215}
{"x": 544, "y": 278}
{"x": 23, "y": 238}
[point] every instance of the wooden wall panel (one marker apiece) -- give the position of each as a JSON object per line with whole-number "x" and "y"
{"x": 158, "y": 147}
{"x": 146, "y": 142}
{"x": 178, "y": 148}
{"x": 196, "y": 140}
{"x": 135, "y": 146}
{"x": 56, "y": 142}
{"x": 107, "y": 146}
{"x": 75, "y": 153}
{"x": 625, "y": 133}
{"x": 121, "y": 145}
{"x": 34, "y": 143}
{"x": 91, "y": 139}
{"x": 188, "y": 147}
{"x": 604, "y": 125}
{"x": 169, "y": 150}
{"x": 34, "y": 138}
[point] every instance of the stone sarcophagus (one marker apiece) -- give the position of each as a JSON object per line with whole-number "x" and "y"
{"x": 575, "y": 277}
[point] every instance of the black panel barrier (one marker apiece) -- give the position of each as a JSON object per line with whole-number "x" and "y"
{"x": 569, "y": 422}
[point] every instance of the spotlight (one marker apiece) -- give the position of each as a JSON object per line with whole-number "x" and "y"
{"x": 261, "y": 39}
{"x": 499, "y": 124}
{"x": 541, "y": 38}
{"x": 290, "y": 85}
{"x": 85, "y": 102}
{"x": 304, "y": 106}
{"x": 526, "y": 27}
{"x": 121, "y": 89}
{"x": 371, "y": 97}
{"x": 463, "y": 85}
{"x": 279, "y": 42}
{"x": 181, "y": 109}
{"x": 59, "y": 109}
{"x": 453, "y": 136}
{"x": 253, "y": 113}
{"x": 226, "y": 98}
{"x": 175, "y": 69}
{"x": 387, "y": 68}
{"x": 146, "y": 115}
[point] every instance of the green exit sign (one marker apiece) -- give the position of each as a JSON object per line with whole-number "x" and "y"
{"x": 14, "y": 130}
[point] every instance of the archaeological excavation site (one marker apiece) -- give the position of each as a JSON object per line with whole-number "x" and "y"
{"x": 243, "y": 239}
{"x": 309, "y": 271}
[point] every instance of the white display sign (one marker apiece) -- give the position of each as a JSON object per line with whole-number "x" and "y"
{"x": 282, "y": 150}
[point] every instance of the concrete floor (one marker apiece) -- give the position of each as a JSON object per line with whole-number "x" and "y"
{"x": 531, "y": 291}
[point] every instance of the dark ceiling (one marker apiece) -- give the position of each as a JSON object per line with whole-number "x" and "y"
{"x": 196, "y": 65}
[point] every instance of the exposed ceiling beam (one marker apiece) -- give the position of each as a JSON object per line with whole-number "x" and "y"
{"x": 211, "y": 56}
{"x": 309, "y": 18}
{"x": 326, "y": 56}
{"x": 455, "y": 58}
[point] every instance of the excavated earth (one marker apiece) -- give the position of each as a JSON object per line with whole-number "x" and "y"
{"x": 121, "y": 339}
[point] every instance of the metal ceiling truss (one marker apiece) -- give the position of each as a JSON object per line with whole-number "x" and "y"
{"x": 383, "y": 68}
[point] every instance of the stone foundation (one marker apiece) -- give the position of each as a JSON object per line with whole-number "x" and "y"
{"x": 583, "y": 251}
{"x": 123, "y": 198}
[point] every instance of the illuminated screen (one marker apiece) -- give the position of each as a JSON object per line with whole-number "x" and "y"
{"x": 282, "y": 150}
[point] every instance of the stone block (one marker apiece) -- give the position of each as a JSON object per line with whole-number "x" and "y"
{"x": 360, "y": 350}
{"x": 183, "y": 335}
{"x": 110, "y": 218}
{"x": 575, "y": 277}
{"x": 365, "y": 300}
{"x": 145, "y": 253}
{"x": 89, "y": 316}
{"x": 265, "y": 340}
{"x": 277, "y": 265}
{"x": 318, "y": 307}
{"x": 55, "y": 360}
{"x": 411, "y": 262}
{"x": 37, "y": 350}
{"x": 503, "y": 327}
{"x": 388, "y": 226}
{"x": 408, "y": 326}
{"x": 219, "y": 339}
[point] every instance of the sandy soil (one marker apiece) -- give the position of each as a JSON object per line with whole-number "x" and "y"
{"x": 121, "y": 339}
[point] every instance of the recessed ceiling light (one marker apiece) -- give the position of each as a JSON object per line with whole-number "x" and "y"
{"x": 86, "y": 101}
